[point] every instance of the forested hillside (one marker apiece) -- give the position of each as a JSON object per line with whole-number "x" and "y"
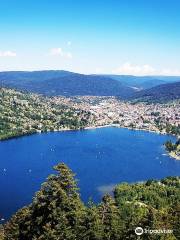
{"x": 55, "y": 83}
{"x": 144, "y": 82}
{"x": 161, "y": 93}
{"x": 65, "y": 83}
{"x": 57, "y": 211}
{"x": 22, "y": 113}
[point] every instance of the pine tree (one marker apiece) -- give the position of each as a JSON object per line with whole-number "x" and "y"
{"x": 55, "y": 212}
{"x": 110, "y": 219}
{"x": 18, "y": 226}
{"x": 1, "y": 232}
{"x": 92, "y": 224}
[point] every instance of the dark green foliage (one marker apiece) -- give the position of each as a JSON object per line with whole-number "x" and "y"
{"x": 110, "y": 219}
{"x": 170, "y": 146}
{"x": 162, "y": 93}
{"x": 23, "y": 114}
{"x": 55, "y": 83}
{"x": 157, "y": 194}
{"x": 57, "y": 213}
{"x": 150, "y": 205}
{"x": 69, "y": 83}
{"x": 172, "y": 129}
{"x": 173, "y": 147}
{"x": 144, "y": 82}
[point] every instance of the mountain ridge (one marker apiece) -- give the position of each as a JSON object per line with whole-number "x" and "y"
{"x": 160, "y": 93}
{"x": 66, "y": 83}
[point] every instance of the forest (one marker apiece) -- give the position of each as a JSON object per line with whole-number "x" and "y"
{"x": 58, "y": 213}
{"x": 23, "y": 113}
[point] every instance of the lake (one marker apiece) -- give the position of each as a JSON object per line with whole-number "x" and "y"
{"x": 101, "y": 158}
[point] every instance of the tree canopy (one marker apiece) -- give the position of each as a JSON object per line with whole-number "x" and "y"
{"x": 57, "y": 212}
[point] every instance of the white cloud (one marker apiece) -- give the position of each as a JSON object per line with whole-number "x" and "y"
{"x": 129, "y": 69}
{"x": 170, "y": 72}
{"x": 60, "y": 52}
{"x": 143, "y": 70}
{"x": 7, "y": 54}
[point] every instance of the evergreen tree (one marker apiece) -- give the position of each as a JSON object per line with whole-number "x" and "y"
{"x": 55, "y": 212}
{"x": 92, "y": 225}
{"x": 19, "y": 225}
{"x": 1, "y": 232}
{"x": 110, "y": 219}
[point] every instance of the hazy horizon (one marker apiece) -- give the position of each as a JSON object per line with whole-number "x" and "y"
{"x": 104, "y": 74}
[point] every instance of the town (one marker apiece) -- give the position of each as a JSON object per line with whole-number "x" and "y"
{"x": 28, "y": 113}
{"x": 164, "y": 118}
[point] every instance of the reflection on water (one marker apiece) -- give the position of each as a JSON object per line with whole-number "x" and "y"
{"x": 104, "y": 189}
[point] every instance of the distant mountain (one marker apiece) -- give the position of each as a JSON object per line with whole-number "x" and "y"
{"x": 143, "y": 82}
{"x": 53, "y": 83}
{"x": 161, "y": 93}
{"x": 65, "y": 83}
{"x": 22, "y": 78}
{"x": 33, "y": 75}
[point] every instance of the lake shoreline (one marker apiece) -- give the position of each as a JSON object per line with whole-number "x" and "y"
{"x": 172, "y": 155}
{"x": 100, "y": 157}
{"x": 133, "y": 129}
{"x": 86, "y": 128}
{"x": 79, "y": 129}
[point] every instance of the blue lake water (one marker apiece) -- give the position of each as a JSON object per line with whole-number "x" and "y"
{"x": 101, "y": 158}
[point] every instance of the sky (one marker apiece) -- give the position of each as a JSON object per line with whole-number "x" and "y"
{"x": 137, "y": 37}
